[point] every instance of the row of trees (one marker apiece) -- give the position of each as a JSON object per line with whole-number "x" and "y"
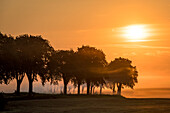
{"x": 33, "y": 56}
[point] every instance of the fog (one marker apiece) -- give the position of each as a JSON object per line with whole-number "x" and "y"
{"x": 58, "y": 89}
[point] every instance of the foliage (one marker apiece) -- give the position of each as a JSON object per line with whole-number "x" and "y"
{"x": 6, "y": 58}
{"x": 121, "y": 71}
{"x": 35, "y": 52}
{"x": 32, "y": 56}
{"x": 90, "y": 61}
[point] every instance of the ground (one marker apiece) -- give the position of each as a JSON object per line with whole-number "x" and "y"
{"x": 88, "y": 104}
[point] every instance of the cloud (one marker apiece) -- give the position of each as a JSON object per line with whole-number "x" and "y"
{"x": 136, "y": 46}
{"x": 159, "y": 52}
{"x": 163, "y": 52}
{"x": 150, "y": 54}
{"x": 130, "y": 54}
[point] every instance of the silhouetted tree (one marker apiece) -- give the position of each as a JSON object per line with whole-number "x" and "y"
{"x": 6, "y": 58}
{"x": 35, "y": 52}
{"x": 61, "y": 65}
{"x": 18, "y": 70}
{"x": 33, "y": 55}
{"x": 78, "y": 72}
{"x": 121, "y": 72}
{"x": 11, "y": 64}
{"x": 90, "y": 60}
{"x": 52, "y": 73}
{"x": 66, "y": 61}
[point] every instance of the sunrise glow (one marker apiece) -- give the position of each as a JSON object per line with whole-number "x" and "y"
{"x": 85, "y": 56}
{"x": 135, "y": 33}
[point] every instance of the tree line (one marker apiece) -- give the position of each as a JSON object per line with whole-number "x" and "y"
{"x": 33, "y": 56}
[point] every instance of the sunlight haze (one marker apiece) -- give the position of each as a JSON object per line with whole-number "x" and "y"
{"x": 135, "y": 29}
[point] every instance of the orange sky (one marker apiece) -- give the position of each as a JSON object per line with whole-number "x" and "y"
{"x": 72, "y": 23}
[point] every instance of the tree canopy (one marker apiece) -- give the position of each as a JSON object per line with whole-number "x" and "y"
{"x": 32, "y": 56}
{"x": 121, "y": 72}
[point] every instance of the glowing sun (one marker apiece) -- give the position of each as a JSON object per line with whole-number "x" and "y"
{"x": 135, "y": 32}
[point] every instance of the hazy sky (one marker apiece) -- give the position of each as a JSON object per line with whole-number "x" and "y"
{"x": 72, "y": 23}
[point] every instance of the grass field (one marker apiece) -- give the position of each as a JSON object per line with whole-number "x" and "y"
{"x": 45, "y": 103}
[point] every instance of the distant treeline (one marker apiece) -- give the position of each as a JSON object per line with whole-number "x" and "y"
{"x": 33, "y": 56}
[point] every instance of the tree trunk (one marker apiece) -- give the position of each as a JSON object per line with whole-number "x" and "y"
{"x": 18, "y": 87}
{"x": 65, "y": 88}
{"x": 19, "y": 79}
{"x": 88, "y": 87}
{"x": 78, "y": 88}
{"x": 114, "y": 88}
{"x": 65, "y": 80}
{"x": 101, "y": 89}
{"x": 91, "y": 89}
{"x": 30, "y": 80}
{"x": 119, "y": 89}
{"x": 30, "y": 86}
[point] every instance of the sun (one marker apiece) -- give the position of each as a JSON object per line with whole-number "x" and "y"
{"x": 135, "y": 32}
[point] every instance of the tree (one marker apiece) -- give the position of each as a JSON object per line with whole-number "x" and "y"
{"x": 35, "y": 52}
{"x": 61, "y": 66}
{"x": 65, "y": 63}
{"x": 52, "y": 70}
{"x": 11, "y": 64}
{"x": 6, "y": 58}
{"x": 121, "y": 72}
{"x": 78, "y": 72}
{"x": 90, "y": 60}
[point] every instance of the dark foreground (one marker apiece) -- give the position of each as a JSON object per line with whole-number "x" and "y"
{"x": 86, "y": 104}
